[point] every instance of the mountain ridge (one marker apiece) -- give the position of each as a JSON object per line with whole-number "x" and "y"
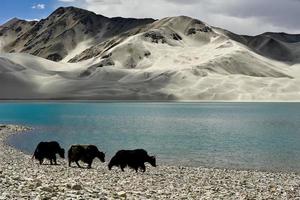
{"x": 67, "y": 26}
{"x": 77, "y": 54}
{"x": 273, "y": 39}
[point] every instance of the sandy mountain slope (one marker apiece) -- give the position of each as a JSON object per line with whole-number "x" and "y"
{"x": 175, "y": 58}
{"x": 191, "y": 60}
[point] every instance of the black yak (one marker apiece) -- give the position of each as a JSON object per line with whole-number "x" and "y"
{"x": 85, "y": 153}
{"x": 48, "y": 150}
{"x": 134, "y": 159}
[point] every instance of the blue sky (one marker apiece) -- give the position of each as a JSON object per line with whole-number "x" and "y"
{"x": 26, "y": 9}
{"x": 240, "y": 16}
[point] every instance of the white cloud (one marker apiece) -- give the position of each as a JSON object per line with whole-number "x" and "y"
{"x": 39, "y": 6}
{"x": 30, "y": 20}
{"x": 240, "y": 16}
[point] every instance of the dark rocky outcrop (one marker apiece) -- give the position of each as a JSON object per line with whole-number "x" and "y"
{"x": 64, "y": 28}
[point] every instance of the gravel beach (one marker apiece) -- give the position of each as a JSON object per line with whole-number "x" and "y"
{"x": 23, "y": 178}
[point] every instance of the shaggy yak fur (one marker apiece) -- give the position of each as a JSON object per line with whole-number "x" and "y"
{"x": 134, "y": 159}
{"x": 85, "y": 153}
{"x": 48, "y": 150}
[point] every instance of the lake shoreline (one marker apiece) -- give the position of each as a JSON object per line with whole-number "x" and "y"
{"x": 23, "y": 178}
{"x": 164, "y": 163}
{"x": 137, "y": 101}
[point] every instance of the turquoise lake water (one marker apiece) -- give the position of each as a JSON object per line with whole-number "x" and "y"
{"x": 224, "y": 135}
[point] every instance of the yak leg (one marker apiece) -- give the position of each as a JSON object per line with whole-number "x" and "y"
{"x": 143, "y": 167}
{"x": 122, "y": 167}
{"x": 41, "y": 161}
{"x": 54, "y": 159}
{"x": 89, "y": 161}
{"x": 136, "y": 168}
{"x": 89, "y": 165}
{"x": 69, "y": 163}
{"x": 77, "y": 164}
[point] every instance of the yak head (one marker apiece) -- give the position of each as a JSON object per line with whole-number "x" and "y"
{"x": 152, "y": 161}
{"x": 113, "y": 162}
{"x": 110, "y": 165}
{"x": 61, "y": 153}
{"x": 101, "y": 156}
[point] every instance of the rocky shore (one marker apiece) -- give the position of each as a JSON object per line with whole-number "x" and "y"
{"x": 22, "y": 178}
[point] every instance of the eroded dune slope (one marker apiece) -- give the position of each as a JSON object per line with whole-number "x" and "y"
{"x": 176, "y": 58}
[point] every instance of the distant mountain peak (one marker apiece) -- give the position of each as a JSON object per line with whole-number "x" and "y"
{"x": 12, "y": 21}
{"x": 176, "y": 57}
{"x": 74, "y": 11}
{"x": 61, "y": 10}
{"x": 61, "y": 32}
